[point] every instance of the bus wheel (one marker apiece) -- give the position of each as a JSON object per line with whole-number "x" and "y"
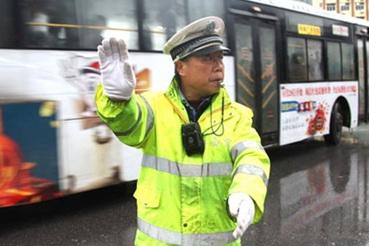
{"x": 335, "y": 131}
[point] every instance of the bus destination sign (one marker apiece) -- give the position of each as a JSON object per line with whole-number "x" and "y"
{"x": 308, "y": 30}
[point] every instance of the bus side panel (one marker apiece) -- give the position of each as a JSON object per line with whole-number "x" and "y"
{"x": 91, "y": 155}
{"x": 306, "y": 108}
{"x": 28, "y": 153}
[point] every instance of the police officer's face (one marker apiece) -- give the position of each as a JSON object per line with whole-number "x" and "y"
{"x": 201, "y": 75}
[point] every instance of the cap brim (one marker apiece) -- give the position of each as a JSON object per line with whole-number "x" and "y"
{"x": 210, "y": 49}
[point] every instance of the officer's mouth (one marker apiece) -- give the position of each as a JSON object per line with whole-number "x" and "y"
{"x": 218, "y": 81}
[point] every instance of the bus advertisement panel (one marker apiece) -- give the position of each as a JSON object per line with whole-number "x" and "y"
{"x": 306, "y": 108}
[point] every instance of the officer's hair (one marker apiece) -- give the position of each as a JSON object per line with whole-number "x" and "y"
{"x": 175, "y": 66}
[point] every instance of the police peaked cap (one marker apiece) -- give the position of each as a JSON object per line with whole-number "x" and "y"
{"x": 200, "y": 37}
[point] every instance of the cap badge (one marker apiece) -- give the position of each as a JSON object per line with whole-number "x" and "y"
{"x": 210, "y": 28}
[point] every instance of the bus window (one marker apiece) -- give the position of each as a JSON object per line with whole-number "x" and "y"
{"x": 315, "y": 54}
{"x": 107, "y": 18}
{"x": 268, "y": 80}
{"x": 348, "y": 66}
{"x": 78, "y": 24}
{"x": 6, "y": 24}
{"x": 197, "y": 9}
{"x": 37, "y": 31}
{"x": 297, "y": 66}
{"x": 245, "y": 66}
{"x": 162, "y": 20}
{"x": 334, "y": 61}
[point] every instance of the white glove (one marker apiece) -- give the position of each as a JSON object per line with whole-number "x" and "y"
{"x": 117, "y": 74}
{"x": 242, "y": 208}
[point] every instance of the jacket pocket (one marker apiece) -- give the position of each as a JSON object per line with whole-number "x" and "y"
{"x": 147, "y": 197}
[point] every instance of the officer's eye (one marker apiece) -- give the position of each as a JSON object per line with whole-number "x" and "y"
{"x": 211, "y": 57}
{"x": 206, "y": 58}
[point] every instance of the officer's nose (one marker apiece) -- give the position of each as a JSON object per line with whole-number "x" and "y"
{"x": 218, "y": 64}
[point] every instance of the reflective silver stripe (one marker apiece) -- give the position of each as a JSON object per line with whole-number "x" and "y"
{"x": 159, "y": 233}
{"x": 187, "y": 170}
{"x": 134, "y": 126}
{"x": 252, "y": 170}
{"x": 177, "y": 238}
{"x": 242, "y": 146}
{"x": 150, "y": 116}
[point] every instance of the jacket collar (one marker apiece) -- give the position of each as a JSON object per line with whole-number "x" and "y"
{"x": 174, "y": 95}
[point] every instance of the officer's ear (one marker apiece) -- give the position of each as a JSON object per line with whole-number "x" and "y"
{"x": 180, "y": 67}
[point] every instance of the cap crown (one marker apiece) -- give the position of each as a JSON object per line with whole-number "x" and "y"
{"x": 195, "y": 35}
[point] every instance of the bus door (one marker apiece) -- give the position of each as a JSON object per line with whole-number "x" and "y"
{"x": 363, "y": 67}
{"x": 256, "y": 73}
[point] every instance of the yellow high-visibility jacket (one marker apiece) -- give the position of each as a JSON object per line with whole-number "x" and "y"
{"x": 181, "y": 199}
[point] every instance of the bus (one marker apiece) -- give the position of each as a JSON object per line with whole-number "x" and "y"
{"x": 303, "y": 72}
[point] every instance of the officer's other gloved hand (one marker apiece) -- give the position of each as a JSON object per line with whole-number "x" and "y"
{"x": 117, "y": 74}
{"x": 242, "y": 208}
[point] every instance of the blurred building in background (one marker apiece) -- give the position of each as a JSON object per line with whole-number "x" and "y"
{"x": 355, "y": 8}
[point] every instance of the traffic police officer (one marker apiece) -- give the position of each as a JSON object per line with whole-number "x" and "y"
{"x": 204, "y": 172}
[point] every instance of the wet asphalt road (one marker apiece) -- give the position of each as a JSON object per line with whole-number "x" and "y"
{"x": 317, "y": 195}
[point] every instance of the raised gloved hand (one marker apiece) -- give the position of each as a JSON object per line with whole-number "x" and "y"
{"x": 117, "y": 74}
{"x": 241, "y": 207}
